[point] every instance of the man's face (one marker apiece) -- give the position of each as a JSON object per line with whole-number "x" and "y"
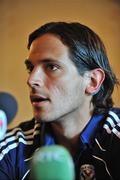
{"x": 57, "y": 89}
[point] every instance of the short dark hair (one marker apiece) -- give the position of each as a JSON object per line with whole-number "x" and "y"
{"x": 87, "y": 52}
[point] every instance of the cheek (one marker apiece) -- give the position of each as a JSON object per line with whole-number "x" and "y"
{"x": 66, "y": 89}
{"x": 63, "y": 91}
{"x": 58, "y": 91}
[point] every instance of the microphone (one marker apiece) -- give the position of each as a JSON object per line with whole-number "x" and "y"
{"x": 52, "y": 162}
{"x": 8, "y": 110}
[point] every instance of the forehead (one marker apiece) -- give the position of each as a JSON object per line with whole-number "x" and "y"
{"x": 48, "y": 45}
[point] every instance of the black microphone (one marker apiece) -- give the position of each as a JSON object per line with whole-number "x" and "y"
{"x": 8, "y": 110}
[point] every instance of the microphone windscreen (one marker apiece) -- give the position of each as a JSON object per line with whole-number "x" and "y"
{"x": 52, "y": 163}
{"x": 8, "y": 104}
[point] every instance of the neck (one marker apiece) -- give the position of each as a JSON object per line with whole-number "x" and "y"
{"x": 67, "y": 129}
{"x": 73, "y": 123}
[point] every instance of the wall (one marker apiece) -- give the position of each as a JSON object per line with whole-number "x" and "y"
{"x": 19, "y": 18}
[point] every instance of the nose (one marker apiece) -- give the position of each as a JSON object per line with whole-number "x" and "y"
{"x": 36, "y": 78}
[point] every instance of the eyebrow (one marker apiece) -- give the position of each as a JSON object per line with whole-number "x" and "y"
{"x": 28, "y": 63}
{"x": 44, "y": 61}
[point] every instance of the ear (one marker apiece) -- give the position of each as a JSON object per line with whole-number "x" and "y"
{"x": 96, "y": 78}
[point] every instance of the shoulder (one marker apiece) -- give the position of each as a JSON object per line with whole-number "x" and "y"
{"x": 112, "y": 123}
{"x": 106, "y": 148}
{"x": 108, "y": 135}
{"x": 18, "y": 138}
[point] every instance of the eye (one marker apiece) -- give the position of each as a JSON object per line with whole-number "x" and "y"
{"x": 52, "y": 67}
{"x": 29, "y": 66}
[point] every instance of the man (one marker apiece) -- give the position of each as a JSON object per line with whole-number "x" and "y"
{"x": 71, "y": 84}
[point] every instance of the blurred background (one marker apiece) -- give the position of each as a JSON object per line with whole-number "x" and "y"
{"x": 21, "y": 17}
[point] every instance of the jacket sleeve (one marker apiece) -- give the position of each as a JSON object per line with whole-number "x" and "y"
{"x": 6, "y": 166}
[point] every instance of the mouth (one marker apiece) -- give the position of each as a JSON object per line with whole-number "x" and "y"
{"x": 38, "y": 100}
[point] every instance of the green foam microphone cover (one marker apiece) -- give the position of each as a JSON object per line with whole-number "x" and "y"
{"x": 52, "y": 162}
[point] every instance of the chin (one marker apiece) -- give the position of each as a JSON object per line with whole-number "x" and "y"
{"x": 41, "y": 118}
{"x": 46, "y": 116}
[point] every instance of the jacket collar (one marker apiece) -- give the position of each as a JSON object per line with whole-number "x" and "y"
{"x": 93, "y": 126}
{"x": 86, "y": 136}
